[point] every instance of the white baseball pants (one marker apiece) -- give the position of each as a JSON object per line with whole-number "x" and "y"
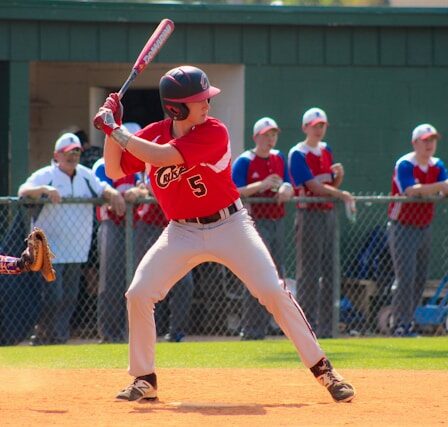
{"x": 233, "y": 242}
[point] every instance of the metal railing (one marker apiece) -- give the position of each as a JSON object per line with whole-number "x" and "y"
{"x": 356, "y": 279}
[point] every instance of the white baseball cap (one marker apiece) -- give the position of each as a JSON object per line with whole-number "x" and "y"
{"x": 67, "y": 142}
{"x": 132, "y": 127}
{"x": 424, "y": 131}
{"x": 313, "y": 116}
{"x": 264, "y": 125}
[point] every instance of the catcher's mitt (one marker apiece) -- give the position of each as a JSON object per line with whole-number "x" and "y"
{"x": 38, "y": 255}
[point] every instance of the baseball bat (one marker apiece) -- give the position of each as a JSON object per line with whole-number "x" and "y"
{"x": 147, "y": 54}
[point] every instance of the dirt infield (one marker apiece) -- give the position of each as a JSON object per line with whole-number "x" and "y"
{"x": 222, "y": 397}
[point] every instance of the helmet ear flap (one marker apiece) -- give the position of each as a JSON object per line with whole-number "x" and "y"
{"x": 176, "y": 110}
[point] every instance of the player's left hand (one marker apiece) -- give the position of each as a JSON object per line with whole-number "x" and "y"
{"x": 104, "y": 120}
{"x": 38, "y": 256}
{"x": 117, "y": 203}
{"x": 27, "y": 257}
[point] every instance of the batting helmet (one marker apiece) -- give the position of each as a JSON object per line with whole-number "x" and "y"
{"x": 184, "y": 84}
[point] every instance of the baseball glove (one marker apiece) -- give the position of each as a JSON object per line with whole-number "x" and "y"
{"x": 38, "y": 256}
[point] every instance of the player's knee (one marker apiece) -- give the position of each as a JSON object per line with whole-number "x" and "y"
{"x": 271, "y": 295}
{"x": 141, "y": 295}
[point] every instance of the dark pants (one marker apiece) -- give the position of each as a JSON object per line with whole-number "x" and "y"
{"x": 315, "y": 267}
{"x": 111, "y": 311}
{"x": 181, "y": 295}
{"x": 58, "y": 303}
{"x": 255, "y": 318}
{"x": 410, "y": 249}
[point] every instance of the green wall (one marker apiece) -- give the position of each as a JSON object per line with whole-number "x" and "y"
{"x": 378, "y": 72}
{"x": 371, "y": 111}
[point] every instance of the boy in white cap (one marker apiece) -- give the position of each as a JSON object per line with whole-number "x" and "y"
{"x": 417, "y": 173}
{"x": 315, "y": 174}
{"x": 68, "y": 228}
{"x": 262, "y": 172}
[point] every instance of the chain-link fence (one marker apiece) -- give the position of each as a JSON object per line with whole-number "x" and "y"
{"x": 359, "y": 276}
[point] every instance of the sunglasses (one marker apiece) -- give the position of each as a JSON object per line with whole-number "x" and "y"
{"x": 73, "y": 151}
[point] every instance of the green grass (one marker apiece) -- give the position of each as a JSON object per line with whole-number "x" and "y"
{"x": 375, "y": 353}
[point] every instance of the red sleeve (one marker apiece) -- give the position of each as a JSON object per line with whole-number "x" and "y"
{"x": 130, "y": 164}
{"x": 206, "y": 143}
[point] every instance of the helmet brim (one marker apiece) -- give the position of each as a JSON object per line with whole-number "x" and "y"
{"x": 198, "y": 97}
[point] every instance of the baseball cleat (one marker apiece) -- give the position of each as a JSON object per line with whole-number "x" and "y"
{"x": 144, "y": 387}
{"x": 340, "y": 389}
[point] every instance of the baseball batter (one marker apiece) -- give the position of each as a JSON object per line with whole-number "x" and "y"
{"x": 187, "y": 157}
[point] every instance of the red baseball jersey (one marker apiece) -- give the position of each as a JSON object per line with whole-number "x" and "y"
{"x": 407, "y": 173}
{"x": 151, "y": 213}
{"x": 202, "y": 185}
{"x": 249, "y": 168}
{"x": 306, "y": 163}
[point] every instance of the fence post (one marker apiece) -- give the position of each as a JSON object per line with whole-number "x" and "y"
{"x": 337, "y": 277}
{"x": 129, "y": 244}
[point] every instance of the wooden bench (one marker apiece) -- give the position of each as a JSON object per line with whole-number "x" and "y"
{"x": 361, "y": 291}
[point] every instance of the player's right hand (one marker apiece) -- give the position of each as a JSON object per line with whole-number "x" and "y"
{"x": 272, "y": 182}
{"x": 52, "y": 193}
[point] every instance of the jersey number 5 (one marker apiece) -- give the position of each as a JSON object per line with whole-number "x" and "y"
{"x": 198, "y": 187}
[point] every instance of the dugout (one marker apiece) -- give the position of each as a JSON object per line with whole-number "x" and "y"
{"x": 377, "y": 72}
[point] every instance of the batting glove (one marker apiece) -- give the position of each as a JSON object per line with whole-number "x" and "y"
{"x": 104, "y": 120}
{"x": 114, "y": 104}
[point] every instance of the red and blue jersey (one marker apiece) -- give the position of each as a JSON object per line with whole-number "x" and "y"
{"x": 249, "y": 168}
{"x": 408, "y": 172}
{"x": 199, "y": 187}
{"x": 121, "y": 185}
{"x": 306, "y": 163}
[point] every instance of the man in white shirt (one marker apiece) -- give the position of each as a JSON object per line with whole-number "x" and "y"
{"x": 68, "y": 228}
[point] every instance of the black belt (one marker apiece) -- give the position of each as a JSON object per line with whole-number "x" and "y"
{"x": 212, "y": 218}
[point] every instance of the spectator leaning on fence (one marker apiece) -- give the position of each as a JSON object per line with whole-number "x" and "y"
{"x": 68, "y": 228}
{"x": 314, "y": 173}
{"x": 262, "y": 172}
{"x": 111, "y": 307}
{"x": 417, "y": 173}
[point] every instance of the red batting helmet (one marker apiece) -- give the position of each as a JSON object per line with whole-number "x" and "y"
{"x": 184, "y": 84}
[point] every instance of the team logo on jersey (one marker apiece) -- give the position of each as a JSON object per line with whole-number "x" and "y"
{"x": 167, "y": 174}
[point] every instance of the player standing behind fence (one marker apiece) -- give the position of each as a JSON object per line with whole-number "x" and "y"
{"x": 417, "y": 173}
{"x": 314, "y": 173}
{"x": 111, "y": 305}
{"x": 188, "y": 159}
{"x": 263, "y": 172}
